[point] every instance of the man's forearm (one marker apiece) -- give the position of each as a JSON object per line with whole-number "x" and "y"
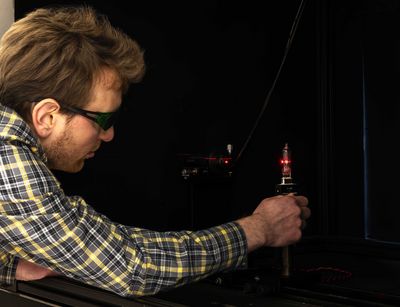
{"x": 143, "y": 261}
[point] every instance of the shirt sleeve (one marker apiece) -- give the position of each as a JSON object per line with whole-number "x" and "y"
{"x": 86, "y": 246}
{"x": 40, "y": 224}
{"x": 8, "y": 267}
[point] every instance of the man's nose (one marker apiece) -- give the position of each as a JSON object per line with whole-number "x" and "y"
{"x": 108, "y": 135}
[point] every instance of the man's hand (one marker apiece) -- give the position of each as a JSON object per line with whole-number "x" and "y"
{"x": 277, "y": 221}
{"x": 29, "y": 271}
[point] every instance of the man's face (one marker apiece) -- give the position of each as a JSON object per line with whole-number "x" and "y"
{"x": 78, "y": 139}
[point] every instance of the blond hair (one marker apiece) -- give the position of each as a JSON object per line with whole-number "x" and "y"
{"x": 59, "y": 52}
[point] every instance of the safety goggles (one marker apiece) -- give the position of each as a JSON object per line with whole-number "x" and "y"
{"x": 104, "y": 120}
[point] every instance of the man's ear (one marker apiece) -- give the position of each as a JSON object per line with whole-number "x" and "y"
{"x": 44, "y": 116}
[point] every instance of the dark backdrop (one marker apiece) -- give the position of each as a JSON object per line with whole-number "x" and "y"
{"x": 365, "y": 69}
{"x": 210, "y": 67}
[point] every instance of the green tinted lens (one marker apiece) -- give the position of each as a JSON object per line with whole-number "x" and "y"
{"x": 106, "y": 120}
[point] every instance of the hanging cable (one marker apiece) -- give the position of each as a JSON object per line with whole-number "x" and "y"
{"x": 287, "y": 48}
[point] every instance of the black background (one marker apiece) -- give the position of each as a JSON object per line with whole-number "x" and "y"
{"x": 210, "y": 65}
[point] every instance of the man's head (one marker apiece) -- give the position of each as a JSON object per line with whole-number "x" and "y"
{"x": 54, "y": 63}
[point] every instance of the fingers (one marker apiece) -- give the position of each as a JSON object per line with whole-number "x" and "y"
{"x": 301, "y": 201}
{"x": 305, "y": 213}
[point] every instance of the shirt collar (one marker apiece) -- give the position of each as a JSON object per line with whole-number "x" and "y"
{"x": 14, "y": 129}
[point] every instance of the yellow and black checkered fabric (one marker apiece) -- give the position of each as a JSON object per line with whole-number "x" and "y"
{"x": 39, "y": 223}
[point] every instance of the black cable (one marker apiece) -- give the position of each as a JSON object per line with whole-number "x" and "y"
{"x": 287, "y": 48}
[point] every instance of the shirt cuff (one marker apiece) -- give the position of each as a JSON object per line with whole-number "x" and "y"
{"x": 244, "y": 246}
{"x": 233, "y": 242}
{"x": 8, "y": 271}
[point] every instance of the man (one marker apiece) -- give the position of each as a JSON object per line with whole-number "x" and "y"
{"x": 62, "y": 75}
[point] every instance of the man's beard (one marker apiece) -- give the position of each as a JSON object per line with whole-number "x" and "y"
{"x": 59, "y": 155}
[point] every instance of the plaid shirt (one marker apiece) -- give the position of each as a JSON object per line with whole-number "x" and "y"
{"x": 39, "y": 223}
